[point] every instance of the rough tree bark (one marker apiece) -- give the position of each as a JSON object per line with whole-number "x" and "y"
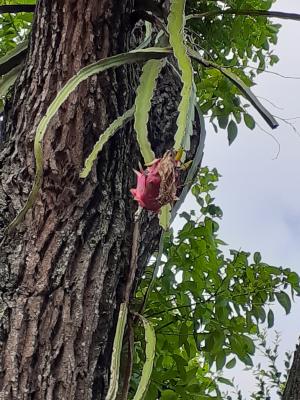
{"x": 292, "y": 389}
{"x": 62, "y": 272}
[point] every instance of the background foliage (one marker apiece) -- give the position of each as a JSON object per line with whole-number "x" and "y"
{"x": 245, "y": 44}
{"x": 14, "y": 29}
{"x": 208, "y": 304}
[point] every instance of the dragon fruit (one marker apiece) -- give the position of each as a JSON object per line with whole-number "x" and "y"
{"x": 157, "y": 184}
{"x": 147, "y": 190}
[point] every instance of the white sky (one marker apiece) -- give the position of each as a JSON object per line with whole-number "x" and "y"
{"x": 260, "y": 195}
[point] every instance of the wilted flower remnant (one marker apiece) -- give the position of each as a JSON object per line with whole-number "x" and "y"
{"x": 157, "y": 184}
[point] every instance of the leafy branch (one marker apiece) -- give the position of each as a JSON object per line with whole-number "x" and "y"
{"x": 241, "y": 86}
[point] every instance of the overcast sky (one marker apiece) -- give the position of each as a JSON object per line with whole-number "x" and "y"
{"x": 258, "y": 194}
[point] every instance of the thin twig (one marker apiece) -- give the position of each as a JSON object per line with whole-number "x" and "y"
{"x": 269, "y": 134}
{"x": 270, "y": 102}
{"x": 250, "y": 13}
{"x": 273, "y": 137}
{"x": 291, "y": 119}
{"x": 286, "y": 121}
{"x": 268, "y": 72}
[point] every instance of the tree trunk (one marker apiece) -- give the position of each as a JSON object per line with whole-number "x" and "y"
{"x": 63, "y": 270}
{"x": 292, "y": 389}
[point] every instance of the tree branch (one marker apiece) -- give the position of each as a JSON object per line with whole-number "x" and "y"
{"x": 240, "y": 85}
{"x": 17, "y": 8}
{"x": 252, "y": 13}
{"x": 13, "y": 58}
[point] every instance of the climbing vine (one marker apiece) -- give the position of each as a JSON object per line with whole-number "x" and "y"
{"x": 177, "y": 41}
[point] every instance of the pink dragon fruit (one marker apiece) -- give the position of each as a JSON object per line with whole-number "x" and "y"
{"x": 157, "y": 184}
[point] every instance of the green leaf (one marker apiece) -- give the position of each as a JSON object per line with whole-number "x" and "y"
{"x": 105, "y": 136}
{"x": 92, "y": 69}
{"x": 181, "y": 363}
{"x": 247, "y": 344}
{"x": 270, "y": 318}
{"x": 284, "y": 301}
{"x": 274, "y": 59}
{"x": 237, "y": 116}
{"x": 293, "y": 279}
{"x": 231, "y": 363}
{"x": 246, "y": 359}
{"x": 249, "y": 121}
{"x": 220, "y": 360}
{"x": 232, "y": 131}
{"x": 223, "y": 121}
{"x": 236, "y": 346}
{"x": 183, "y": 334}
{"x": 144, "y": 95}
{"x": 218, "y": 339}
{"x": 152, "y": 392}
{"x": 257, "y": 257}
{"x": 175, "y": 27}
{"x": 225, "y": 381}
{"x": 168, "y": 395}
